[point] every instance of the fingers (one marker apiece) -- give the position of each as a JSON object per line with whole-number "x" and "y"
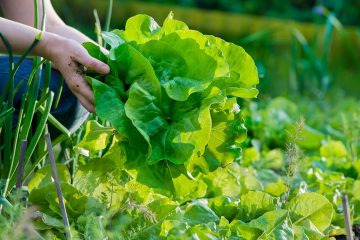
{"x": 78, "y": 85}
{"x": 92, "y": 63}
{"x": 80, "y": 88}
{"x": 85, "y": 103}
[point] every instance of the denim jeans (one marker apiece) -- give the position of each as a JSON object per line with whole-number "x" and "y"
{"x": 69, "y": 111}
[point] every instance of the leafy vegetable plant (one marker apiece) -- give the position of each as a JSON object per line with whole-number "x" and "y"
{"x": 172, "y": 96}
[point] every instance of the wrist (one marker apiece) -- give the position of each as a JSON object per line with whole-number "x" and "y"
{"x": 48, "y": 45}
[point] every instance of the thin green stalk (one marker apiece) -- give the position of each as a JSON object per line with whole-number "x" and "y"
{"x": 5, "y": 115}
{"x": 4, "y": 202}
{"x": 8, "y": 156}
{"x": 36, "y": 14}
{"x": 347, "y": 219}
{"x": 41, "y": 127}
{"x": 45, "y": 88}
{"x": 56, "y": 123}
{"x": 58, "y": 187}
{"x": 23, "y": 106}
{"x": 325, "y": 80}
{"x": 327, "y": 42}
{"x": 43, "y": 19}
{"x": 20, "y": 176}
{"x": 313, "y": 59}
{"x": 97, "y": 28}
{"x": 29, "y": 109}
{"x": 298, "y": 83}
{"x": 57, "y": 141}
{"x": 38, "y": 133}
{"x": 59, "y": 92}
{"x": 11, "y": 64}
{"x": 108, "y": 15}
{"x": 18, "y": 86}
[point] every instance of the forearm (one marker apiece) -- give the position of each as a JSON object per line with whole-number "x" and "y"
{"x": 67, "y": 32}
{"x": 21, "y": 36}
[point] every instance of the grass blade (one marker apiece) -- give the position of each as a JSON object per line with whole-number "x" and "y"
{"x": 59, "y": 92}
{"x": 108, "y": 16}
{"x": 20, "y": 175}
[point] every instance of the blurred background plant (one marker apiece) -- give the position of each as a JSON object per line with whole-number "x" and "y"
{"x": 300, "y": 47}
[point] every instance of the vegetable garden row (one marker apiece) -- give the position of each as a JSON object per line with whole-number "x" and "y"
{"x": 179, "y": 150}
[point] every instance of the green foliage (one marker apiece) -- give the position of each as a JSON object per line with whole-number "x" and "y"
{"x": 171, "y": 97}
{"x": 170, "y": 165}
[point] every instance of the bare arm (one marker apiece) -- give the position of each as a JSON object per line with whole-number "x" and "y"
{"x": 63, "y": 49}
{"x": 24, "y": 13}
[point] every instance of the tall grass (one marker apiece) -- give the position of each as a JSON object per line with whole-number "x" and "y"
{"x": 31, "y": 105}
{"x": 309, "y": 69}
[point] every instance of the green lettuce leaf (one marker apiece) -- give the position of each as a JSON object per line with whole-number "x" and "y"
{"x": 169, "y": 98}
{"x": 254, "y": 204}
{"x": 311, "y": 209}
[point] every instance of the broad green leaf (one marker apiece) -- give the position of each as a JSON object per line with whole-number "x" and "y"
{"x": 46, "y": 199}
{"x": 157, "y": 176}
{"x": 311, "y": 207}
{"x": 166, "y": 178}
{"x": 243, "y": 73}
{"x": 144, "y": 111}
{"x": 132, "y": 66}
{"x": 95, "y": 51}
{"x": 162, "y": 207}
{"x": 43, "y": 177}
{"x": 94, "y": 228}
{"x": 110, "y": 107}
{"x": 224, "y": 206}
{"x": 222, "y": 67}
{"x": 188, "y": 131}
{"x": 310, "y": 138}
{"x": 222, "y": 182}
{"x": 112, "y": 38}
{"x": 307, "y": 233}
{"x": 253, "y": 204}
{"x": 274, "y": 225}
{"x": 141, "y": 28}
{"x": 273, "y": 159}
{"x": 275, "y": 189}
{"x": 52, "y": 221}
{"x": 200, "y": 231}
{"x": 172, "y": 228}
{"x": 356, "y": 204}
{"x": 180, "y": 65}
{"x": 227, "y": 134}
{"x": 96, "y": 137}
{"x": 171, "y": 25}
{"x": 186, "y": 187}
{"x": 100, "y": 178}
{"x": 356, "y": 190}
{"x": 333, "y": 149}
{"x": 250, "y": 155}
{"x": 243, "y": 230}
{"x": 198, "y": 213}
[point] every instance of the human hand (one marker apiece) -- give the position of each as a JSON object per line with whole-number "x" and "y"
{"x": 71, "y": 59}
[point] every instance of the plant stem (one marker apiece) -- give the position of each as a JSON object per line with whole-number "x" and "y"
{"x": 20, "y": 175}
{"x": 345, "y": 204}
{"x": 58, "y": 187}
{"x": 108, "y": 15}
